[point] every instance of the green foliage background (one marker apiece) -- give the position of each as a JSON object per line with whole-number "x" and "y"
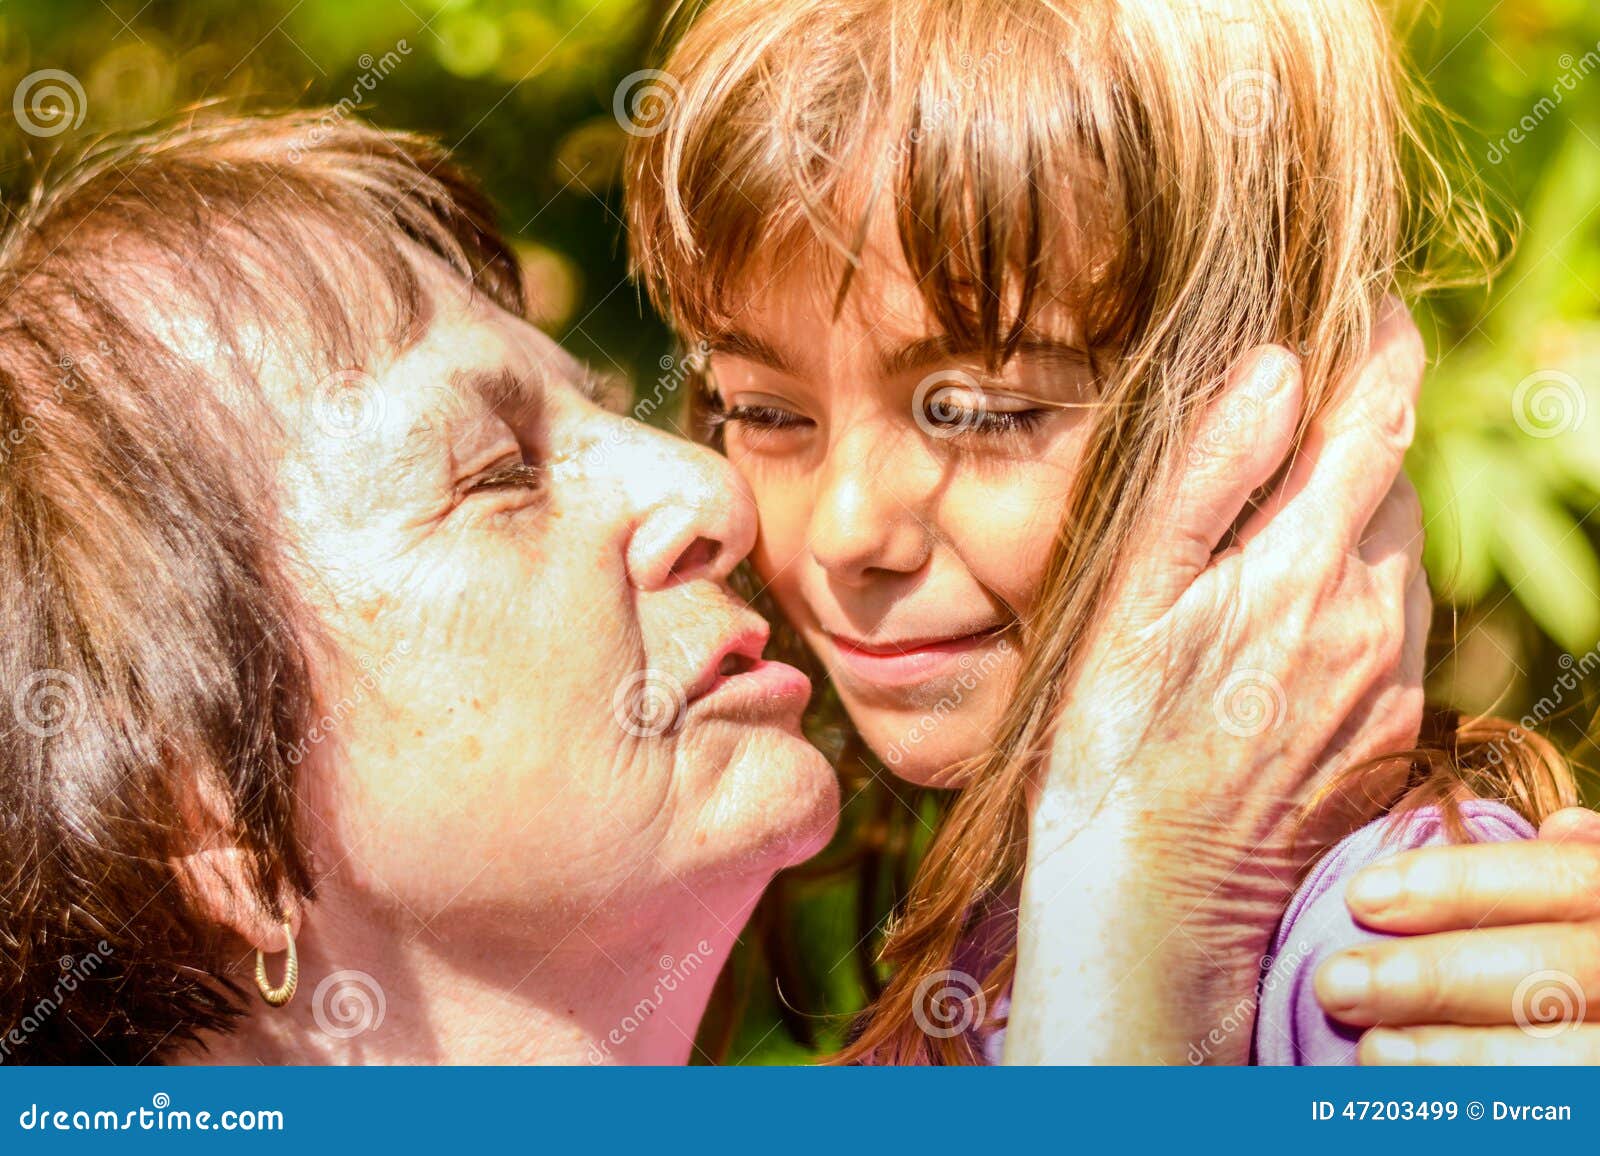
{"x": 1508, "y": 452}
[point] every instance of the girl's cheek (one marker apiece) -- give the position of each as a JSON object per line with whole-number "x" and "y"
{"x": 1006, "y": 532}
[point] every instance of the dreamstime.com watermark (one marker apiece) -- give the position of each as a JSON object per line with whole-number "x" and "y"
{"x": 675, "y": 370}
{"x": 1242, "y": 1015}
{"x": 71, "y": 380}
{"x": 1249, "y": 702}
{"x": 1548, "y": 1003}
{"x": 73, "y": 972}
{"x": 373, "y": 69}
{"x": 948, "y": 1004}
{"x": 160, "y": 1116}
{"x": 933, "y": 116}
{"x": 972, "y": 673}
{"x": 1549, "y": 403}
{"x": 1574, "y": 70}
{"x": 48, "y": 103}
{"x": 1248, "y": 101}
{"x": 372, "y": 673}
{"x": 1576, "y": 671}
{"x": 348, "y": 1003}
{"x": 674, "y": 973}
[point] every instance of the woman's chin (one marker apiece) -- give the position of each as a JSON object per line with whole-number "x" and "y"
{"x": 777, "y": 802}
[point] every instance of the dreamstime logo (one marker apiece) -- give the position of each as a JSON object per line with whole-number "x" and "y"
{"x": 74, "y": 972}
{"x": 1248, "y": 101}
{"x": 48, "y": 702}
{"x": 49, "y": 102}
{"x": 648, "y": 704}
{"x": 1548, "y": 1003}
{"x": 1249, "y": 703}
{"x": 1574, "y": 70}
{"x": 644, "y": 101}
{"x": 347, "y": 1003}
{"x": 948, "y": 402}
{"x": 347, "y": 404}
{"x": 948, "y": 1003}
{"x": 1548, "y": 404}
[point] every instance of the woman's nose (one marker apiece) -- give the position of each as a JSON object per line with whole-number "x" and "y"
{"x": 866, "y": 518}
{"x": 694, "y": 517}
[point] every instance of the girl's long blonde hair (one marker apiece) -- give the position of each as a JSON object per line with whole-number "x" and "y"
{"x": 1191, "y": 178}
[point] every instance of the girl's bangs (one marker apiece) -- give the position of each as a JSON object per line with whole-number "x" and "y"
{"x": 791, "y": 147}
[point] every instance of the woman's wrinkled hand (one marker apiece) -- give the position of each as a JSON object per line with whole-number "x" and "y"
{"x": 1252, "y": 647}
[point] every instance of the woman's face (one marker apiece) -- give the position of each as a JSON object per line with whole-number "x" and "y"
{"x": 908, "y": 498}
{"x": 547, "y": 701}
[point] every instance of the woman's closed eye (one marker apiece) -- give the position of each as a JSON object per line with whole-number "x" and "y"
{"x": 507, "y": 474}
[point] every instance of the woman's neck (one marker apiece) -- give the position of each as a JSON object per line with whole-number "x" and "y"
{"x": 456, "y": 993}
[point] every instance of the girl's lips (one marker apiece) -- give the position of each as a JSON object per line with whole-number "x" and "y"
{"x": 911, "y": 662}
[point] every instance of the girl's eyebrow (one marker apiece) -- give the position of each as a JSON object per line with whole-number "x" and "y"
{"x": 738, "y": 343}
{"x": 930, "y": 352}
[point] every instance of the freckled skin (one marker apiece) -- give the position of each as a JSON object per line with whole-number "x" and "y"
{"x": 536, "y": 799}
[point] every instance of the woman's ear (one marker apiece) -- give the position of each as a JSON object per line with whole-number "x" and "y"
{"x": 220, "y": 881}
{"x": 220, "y": 877}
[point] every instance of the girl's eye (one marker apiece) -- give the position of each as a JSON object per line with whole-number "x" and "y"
{"x": 1009, "y": 421}
{"x": 952, "y": 412}
{"x": 759, "y": 417}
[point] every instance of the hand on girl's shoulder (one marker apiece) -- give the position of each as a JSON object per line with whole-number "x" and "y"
{"x": 1291, "y": 1027}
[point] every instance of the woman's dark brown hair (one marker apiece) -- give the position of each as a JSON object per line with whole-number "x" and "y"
{"x": 156, "y": 668}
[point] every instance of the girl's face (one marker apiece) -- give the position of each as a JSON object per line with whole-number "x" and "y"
{"x": 908, "y": 498}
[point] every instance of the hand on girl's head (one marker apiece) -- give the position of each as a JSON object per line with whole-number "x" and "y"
{"x": 1247, "y": 673}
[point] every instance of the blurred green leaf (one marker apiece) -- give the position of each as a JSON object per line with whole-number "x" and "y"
{"x": 1551, "y": 568}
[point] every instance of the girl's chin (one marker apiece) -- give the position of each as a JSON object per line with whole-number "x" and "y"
{"x": 925, "y": 763}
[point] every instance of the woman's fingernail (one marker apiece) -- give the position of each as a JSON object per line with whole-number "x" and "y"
{"x": 1344, "y": 982}
{"x": 1381, "y": 1047}
{"x": 1375, "y": 888}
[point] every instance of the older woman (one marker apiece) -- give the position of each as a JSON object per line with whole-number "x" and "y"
{"x": 322, "y": 572}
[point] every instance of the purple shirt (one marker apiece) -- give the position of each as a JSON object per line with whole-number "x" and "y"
{"x": 1290, "y": 1025}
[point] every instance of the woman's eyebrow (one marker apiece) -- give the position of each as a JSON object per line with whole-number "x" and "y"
{"x": 499, "y": 388}
{"x": 495, "y": 390}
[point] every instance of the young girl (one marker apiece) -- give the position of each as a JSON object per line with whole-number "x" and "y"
{"x": 1038, "y": 333}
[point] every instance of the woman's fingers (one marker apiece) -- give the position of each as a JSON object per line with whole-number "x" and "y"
{"x": 1546, "y": 1045}
{"x": 1480, "y": 885}
{"x": 1489, "y": 976}
{"x": 1353, "y": 451}
{"x": 1239, "y": 445}
{"x": 1571, "y": 824}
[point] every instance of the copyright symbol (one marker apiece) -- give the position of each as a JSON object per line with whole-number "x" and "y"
{"x": 1474, "y": 1111}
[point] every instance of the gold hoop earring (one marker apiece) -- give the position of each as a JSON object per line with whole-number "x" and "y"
{"x": 283, "y": 993}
